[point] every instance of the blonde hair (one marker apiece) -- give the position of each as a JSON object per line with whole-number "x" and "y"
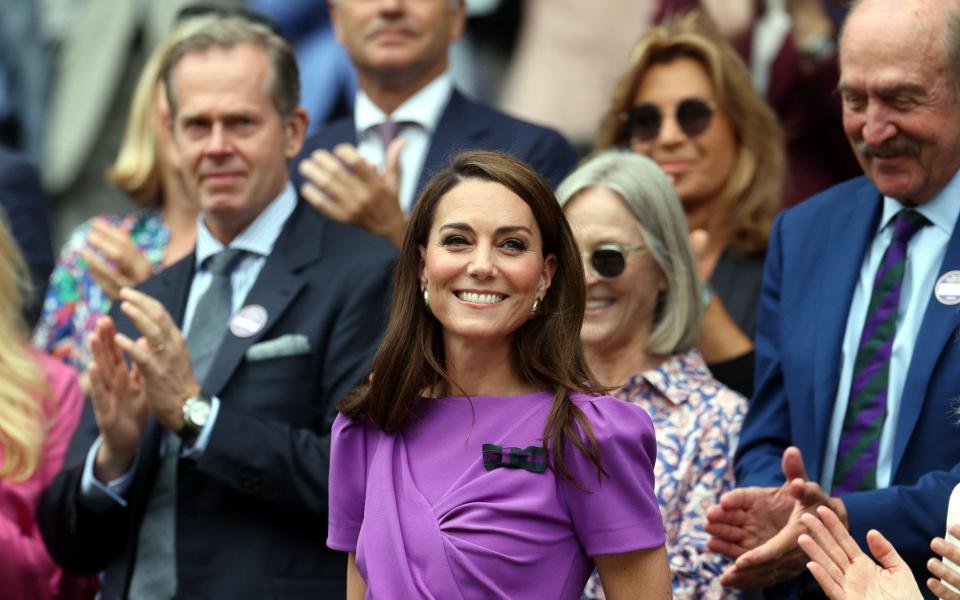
{"x": 23, "y": 425}
{"x": 754, "y": 187}
{"x": 136, "y": 170}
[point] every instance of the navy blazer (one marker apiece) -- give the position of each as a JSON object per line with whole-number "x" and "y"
{"x": 25, "y": 203}
{"x": 813, "y": 261}
{"x": 252, "y": 511}
{"x": 467, "y": 125}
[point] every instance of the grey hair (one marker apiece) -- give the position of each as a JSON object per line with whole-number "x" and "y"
{"x": 283, "y": 82}
{"x": 647, "y": 191}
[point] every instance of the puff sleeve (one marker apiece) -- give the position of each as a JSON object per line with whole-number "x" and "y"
{"x": 616, "y": 511}
{"x": 348, "y": 482}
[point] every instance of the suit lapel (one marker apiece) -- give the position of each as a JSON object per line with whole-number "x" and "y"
{"x": 276, "y": 287}
{"x": 457, "y": 130}
{"x": 851, "y": 232}
{"x": 173, "y": 287}
{"x": 939, "y": 323}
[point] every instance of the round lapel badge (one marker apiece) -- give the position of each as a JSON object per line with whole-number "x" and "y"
{"x": 248, "y": 321}
{"x": 947, "y": 289}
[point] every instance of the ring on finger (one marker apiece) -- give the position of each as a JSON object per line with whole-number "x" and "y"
{"x": 157, "y": 348}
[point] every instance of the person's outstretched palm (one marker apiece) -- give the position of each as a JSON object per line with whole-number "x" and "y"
{"x": 845, "y": 572}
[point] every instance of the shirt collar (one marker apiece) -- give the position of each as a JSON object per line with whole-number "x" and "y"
{"x": 259, "y": 237}
{"x": 423, "y": 108}
{"x": 676, "y": 378}
{"x": 942, "y": 210}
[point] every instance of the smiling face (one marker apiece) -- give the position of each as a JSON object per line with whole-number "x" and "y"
{"x": 899, "y": 105}
{"x": 698, "y": 165}
{"x": 620, "y": 310}
{"x": 398, "y": 40}
{"x": 233, "y": 145}
{"x": 483, "y": 264}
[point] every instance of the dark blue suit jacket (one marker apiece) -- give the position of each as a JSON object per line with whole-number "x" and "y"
{"x": 813, "y": 261}
{"x": 23, "y": 200}
{"x": 252, "y": 511}
{"x": 467, "y": 125}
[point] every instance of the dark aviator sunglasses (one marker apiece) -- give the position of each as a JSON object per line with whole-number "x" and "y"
{"x": 609, "y": 260}
{"x": 643, "y": 121}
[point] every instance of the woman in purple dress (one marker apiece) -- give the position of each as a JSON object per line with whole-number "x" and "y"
{"x": 480, "y": 462}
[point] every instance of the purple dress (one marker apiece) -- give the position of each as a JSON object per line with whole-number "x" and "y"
{"x": 426, "y": 519}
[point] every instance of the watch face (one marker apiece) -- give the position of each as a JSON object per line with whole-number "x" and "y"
{"x": 197, "y": 412}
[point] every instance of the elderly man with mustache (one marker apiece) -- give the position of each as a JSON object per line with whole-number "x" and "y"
{"x": 409, "y": 118}
{"x": 857, "y": 353}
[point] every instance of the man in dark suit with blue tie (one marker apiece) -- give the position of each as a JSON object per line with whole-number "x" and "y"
{"x": 205, "y": 472}
{"x": 409, "y": 119}
{"x": 858, "y": 364}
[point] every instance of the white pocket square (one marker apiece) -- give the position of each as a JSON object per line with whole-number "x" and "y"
{"x": 290, "y": 344}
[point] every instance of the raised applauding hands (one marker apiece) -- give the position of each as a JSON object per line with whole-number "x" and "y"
{"x": 115, "y": 261}
{"x": 845, "y": 572}
{"x": 344, "y": 187}
{"x": 759, "y": 527}
{"x": 160, "y": 380}
{"x": 118, "y": 403}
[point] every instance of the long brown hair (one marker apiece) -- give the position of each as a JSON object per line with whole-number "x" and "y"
{"x": 754, "y": 187}
{"x": 545, "y": 350}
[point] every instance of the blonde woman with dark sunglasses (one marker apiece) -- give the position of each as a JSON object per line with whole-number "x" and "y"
{"x": 687, "y": 101}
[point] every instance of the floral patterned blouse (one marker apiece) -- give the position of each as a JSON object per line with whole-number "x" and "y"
{"x": 697, "y": 420}
{"x": 74, "y": 301}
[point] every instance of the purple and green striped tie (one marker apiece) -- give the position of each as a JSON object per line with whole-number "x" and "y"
{"x": 856, "y": 468}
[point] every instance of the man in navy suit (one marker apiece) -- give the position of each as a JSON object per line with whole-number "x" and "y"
{"x": 409, "y": 119}
{"x": 823, "y": 320}
{"x": 205, "y": 472}
{"x": 24, "y": 203}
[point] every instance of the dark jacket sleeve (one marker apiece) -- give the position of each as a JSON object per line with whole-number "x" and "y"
{"x": 25, "y": 204}
{"x": 82, "y": 541}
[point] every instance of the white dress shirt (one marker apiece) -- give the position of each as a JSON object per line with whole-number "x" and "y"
{"x": 421, "y": 113}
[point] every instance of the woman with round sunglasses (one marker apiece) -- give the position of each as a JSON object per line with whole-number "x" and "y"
{"x": 687, "y": 102}
{"x": 642, "y": 318}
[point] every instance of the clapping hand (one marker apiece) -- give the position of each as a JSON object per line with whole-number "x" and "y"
{"x": 342, "y": 186}
{"x": 950, "y": 551}
{"x": 759, "y": 527}
{"x": 118, "y": 402}
{"x": 161, "y": 355}
{"x": 844, "y": 571}
{"x": 114, "y": 260}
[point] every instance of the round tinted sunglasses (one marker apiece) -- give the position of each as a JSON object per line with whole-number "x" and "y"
{"x": 609, "y": 260}
{"x": 643, "y": 121}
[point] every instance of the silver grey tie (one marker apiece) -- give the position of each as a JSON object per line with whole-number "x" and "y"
{"x": 155, "y": 571}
